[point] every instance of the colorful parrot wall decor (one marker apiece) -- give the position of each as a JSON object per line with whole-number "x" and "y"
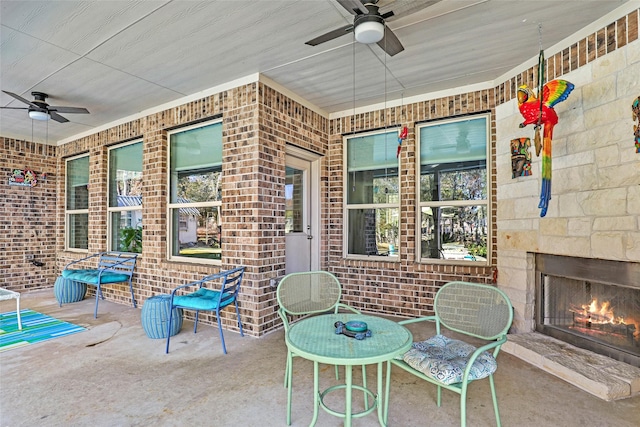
{"x": 635, "y": 108}
{"x": 540, "y": 113}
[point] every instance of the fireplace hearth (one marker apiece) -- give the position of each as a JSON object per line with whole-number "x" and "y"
{"x": 590, "y": 303}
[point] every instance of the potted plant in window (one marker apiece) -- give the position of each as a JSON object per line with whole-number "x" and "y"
{"x": 131, "y": 240}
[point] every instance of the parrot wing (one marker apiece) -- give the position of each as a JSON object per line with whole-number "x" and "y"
{"x": 556, "y": 91}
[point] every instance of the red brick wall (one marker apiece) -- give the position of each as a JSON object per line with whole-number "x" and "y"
{"x": 27, "y": 216}
{"x": 407, "y": 287}
{"x": 258, "y": 122}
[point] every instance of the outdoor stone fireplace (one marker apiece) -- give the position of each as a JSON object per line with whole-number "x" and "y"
{"x": 593, "y": 221}
{"x": 590, "y": 303}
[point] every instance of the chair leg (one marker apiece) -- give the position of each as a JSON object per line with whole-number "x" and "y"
{"x": 495, "y": 401}
{"x": 463, "y": 405}
{"x": 224, "y": 347}
{"x": 239, "y": 321}
{"x": 133, "y": 298}
{"x": 195, "y": 324}
{"x": 169, "y": 328}
{"x": 288, "y": 383}
{"x": 98, "y": 293}
{"x": 286, "y": 372}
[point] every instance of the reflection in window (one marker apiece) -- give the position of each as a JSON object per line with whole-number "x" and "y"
{"x": 454, "y": 221}
{"x": 196, "y": 192}
{"x": 125, "y": 198}
{"x": 77, "y": 203}
{"x": 373, "y": 195}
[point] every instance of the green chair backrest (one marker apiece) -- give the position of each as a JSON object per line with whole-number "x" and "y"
{"x": 474, "y": 309}
{"x": 308, "y": 292}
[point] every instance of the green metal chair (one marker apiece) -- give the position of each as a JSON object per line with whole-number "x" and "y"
{"x": 303, "y": 294}
{"x": 470, "y": 309}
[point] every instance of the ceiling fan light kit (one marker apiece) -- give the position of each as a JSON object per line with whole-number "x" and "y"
{"x": 38, "y": 109}
{"x": 369, "y": 25}
{"x": 369, "y": 29}
{"x": 39, "y": 115}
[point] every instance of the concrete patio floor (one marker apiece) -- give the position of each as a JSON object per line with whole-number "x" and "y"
{"x": 113, "y": 375}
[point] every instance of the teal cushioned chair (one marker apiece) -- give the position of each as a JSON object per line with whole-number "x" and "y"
{"x": 472, "y": 310}
{"x": 204, "y": 298}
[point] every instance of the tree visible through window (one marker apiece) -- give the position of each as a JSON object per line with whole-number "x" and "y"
{"x": 453, "y": 187}
{"x": 373, "y": 194}
{"x": 77, "y": 203}
{"x": 196, "y": 192}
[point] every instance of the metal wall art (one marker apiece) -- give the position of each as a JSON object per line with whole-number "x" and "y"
{"x": 520, "y": 157}
{"x": 23, "y": 177}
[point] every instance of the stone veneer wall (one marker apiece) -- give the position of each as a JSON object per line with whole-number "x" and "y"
{"x": 595, "y": 206}
{"x": 27, "y": 216}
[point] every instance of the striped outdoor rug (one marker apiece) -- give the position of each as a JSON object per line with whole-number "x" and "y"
{"x": 36, "y": 327}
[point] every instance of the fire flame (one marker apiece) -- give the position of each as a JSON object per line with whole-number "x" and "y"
{"x": 600, "y": 314}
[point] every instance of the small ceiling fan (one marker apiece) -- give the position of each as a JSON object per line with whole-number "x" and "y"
{"x": 40, "y": 110}
{"x": 369, "y": 23}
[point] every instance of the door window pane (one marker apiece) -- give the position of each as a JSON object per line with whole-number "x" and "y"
{"x": 294, "y": 201}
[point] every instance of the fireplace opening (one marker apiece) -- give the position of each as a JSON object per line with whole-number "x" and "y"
{"x": 592, "y": 304}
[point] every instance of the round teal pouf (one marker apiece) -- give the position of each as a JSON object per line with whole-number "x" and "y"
{"x": 67, "y": 290}
{"x": 155, "y": 317}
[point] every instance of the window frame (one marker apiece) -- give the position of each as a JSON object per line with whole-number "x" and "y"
{"x": 347, "y": 207}
{"x": 487, "y": 203}
{"x": 112, "y": 209}
{"x": 68, "y": 212}
{"x": 172, "y": 206}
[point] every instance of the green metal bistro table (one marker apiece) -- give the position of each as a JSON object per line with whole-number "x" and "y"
{"x": 314, "y": 338}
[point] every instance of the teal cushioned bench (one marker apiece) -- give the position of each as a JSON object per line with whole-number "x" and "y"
{"x": 113, "y": 267}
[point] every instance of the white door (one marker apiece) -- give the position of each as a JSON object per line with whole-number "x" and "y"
{"x": 301, "y": 216}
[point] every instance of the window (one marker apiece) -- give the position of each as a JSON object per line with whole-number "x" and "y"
{"x": 195, "y": 195}
{"x": 125, "y": 198}
{"x": 372, "y": 195}
{"x": 77, "y": 203}
{"x": 453, "y": 190}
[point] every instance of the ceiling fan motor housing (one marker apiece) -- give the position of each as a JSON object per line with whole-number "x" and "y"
{"x": 39, "y": 100}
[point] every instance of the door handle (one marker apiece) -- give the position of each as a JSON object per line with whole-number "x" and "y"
{"x": 309, "y": 237}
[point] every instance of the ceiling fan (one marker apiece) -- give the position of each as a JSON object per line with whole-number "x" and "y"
{"x": 369, "y": 23}
{"x": 40, "y": 110}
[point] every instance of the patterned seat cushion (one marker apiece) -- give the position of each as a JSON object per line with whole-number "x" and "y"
{"x": 445, "y": 359}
